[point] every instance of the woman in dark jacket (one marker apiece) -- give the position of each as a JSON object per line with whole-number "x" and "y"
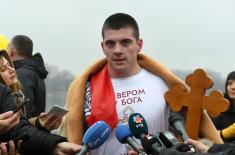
{"x": 38, "y": 141}
{"x": 225, "y": 123}
{"x": 44, "y": 121}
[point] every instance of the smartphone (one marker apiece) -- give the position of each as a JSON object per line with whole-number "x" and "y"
{"x": 20, "y": 105}
{"x": 57, "y": 111}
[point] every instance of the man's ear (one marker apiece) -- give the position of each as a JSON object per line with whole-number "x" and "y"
{"x": 11, "y": 51}
{"x": 102, "y": 46}
{"x": 139, "y": 44}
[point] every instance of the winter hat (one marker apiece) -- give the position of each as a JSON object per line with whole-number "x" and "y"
{"x": 3, "y": 42}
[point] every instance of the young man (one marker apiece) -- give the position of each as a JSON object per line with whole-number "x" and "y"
{"x": 31, "y": 73}
{"x": 123, "y": 83}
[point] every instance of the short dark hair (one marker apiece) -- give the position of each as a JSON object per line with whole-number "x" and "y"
{"x": 121, "y": 20}
{"x": 231, "y": 76}
{"x": 23, "y": 45}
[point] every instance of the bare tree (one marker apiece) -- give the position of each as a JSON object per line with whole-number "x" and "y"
{"x": 216, "y": 77}
{"x": 57, "y": 83}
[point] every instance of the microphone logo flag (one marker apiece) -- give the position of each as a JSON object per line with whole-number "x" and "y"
{"x": 138, "y": 121}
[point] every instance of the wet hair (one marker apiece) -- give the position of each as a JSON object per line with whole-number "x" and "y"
{"x": 121, "y": 20}
{"x": 231, "y": 76}
{"x": 23, "y": 45}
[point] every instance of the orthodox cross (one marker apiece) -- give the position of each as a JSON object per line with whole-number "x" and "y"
{"x": 195, "y": 100}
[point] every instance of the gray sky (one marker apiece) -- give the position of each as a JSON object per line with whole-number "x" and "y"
{"x": 181, "y": 34}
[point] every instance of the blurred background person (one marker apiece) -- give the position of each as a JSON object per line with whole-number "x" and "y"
{"x": 225, "y": 123}
{"x": 31, "y": 72}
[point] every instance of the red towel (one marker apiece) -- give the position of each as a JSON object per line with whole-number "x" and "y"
{"x": 103, "y": 105}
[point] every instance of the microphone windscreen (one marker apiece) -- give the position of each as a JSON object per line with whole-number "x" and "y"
{"x": 174, "y": 117}
{"x": 177, "y": 123}
{"x": 137, "y": 125}
{"x": 96, "y": 135}
{"x": 122, "y": 132}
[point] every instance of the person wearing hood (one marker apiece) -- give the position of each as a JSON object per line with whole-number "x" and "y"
{"x": 31, "y": 73}
{"x": 225, "y": 123}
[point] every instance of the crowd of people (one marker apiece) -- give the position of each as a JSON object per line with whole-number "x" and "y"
{"x": 126, "y": 81}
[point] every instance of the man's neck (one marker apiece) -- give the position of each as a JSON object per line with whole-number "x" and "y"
{"x": 125, "y": 74}
{"x": 15, "y": 58}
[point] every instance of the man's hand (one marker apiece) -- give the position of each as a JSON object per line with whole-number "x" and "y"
{"x": 49, "y": 121}
{"x": 66, "y": 148}
{"x": 200, "y": 147}
{"x": 11, "y": 150}
{"x": 8, "y": 120}
{"x": 132, "y": 152}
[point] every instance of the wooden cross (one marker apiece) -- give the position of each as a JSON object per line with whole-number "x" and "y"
{"x": 177, "y": 97}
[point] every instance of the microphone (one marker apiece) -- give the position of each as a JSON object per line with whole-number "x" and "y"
{"x": 138, "y": 125}
{"x": 124, "y": 135}
{"x": 177, "y": 123}
{"x": 95, "y": 136}
{"x": 139, "y": 128}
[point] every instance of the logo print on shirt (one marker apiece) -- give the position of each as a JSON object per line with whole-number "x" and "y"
{"x": 130, "y": 96}
{"x": 126, "y": 113}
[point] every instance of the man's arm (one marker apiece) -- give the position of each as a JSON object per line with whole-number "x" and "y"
{"x": 217, "y": 149}
{"x": 40, "y": 141}
{"x": 66, "y": 148}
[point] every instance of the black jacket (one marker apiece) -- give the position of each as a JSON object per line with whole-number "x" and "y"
{"x": 39, "y": 142}
{"x": 225, "y": 119}
{"x": 31, "y": 73}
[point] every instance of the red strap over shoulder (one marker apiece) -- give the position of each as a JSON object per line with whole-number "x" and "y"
{"x": 103, "y": 105}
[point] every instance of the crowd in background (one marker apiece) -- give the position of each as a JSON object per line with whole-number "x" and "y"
{"x": 101, "y": 93}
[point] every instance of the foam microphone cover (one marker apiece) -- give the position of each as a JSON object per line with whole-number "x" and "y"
{"x": 177, "y": 122}
{"x": 122, "y": 132}
{"x": 124, "y": 135}
{"x": 137, "y": 125}
{"x": 175, "y": 117}
{"x": 96, "y": 135}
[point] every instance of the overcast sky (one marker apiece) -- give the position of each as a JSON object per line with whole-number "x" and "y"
{"x": 181, "y": 34}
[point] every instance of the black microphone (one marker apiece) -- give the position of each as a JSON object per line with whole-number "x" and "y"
{"x": 139, "y": 129}
{"x": 138, "y": 125}
{"x": 177, "y": 123}
{"x": 152, "y": 144}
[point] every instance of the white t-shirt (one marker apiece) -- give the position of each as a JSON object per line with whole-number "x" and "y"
{"x": 142, "y": 93}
